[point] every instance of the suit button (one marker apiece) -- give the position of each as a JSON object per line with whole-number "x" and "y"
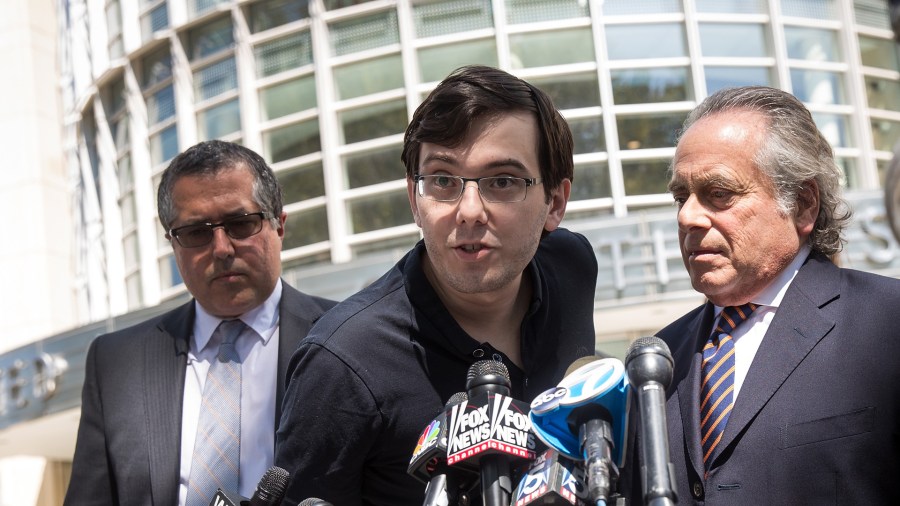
{"x": 697, "y": 490}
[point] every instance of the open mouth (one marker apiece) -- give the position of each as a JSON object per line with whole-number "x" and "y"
{"x": 470, "y": 248}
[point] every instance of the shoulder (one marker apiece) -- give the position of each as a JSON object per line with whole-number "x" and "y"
{"x": 565, "y": 251}
{"x": 309, "y": 306}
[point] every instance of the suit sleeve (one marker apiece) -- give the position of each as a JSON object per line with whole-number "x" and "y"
{"x": 328, "y": 426}
{"x": 91, "y": 483}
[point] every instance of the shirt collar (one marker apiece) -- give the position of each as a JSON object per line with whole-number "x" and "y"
{"x": 263, "y": 319}
{"x": 772, "y": 294}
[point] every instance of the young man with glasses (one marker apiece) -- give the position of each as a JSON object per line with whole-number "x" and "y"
{"x": 148, "y": 388}
{"x": 489, "y": 170}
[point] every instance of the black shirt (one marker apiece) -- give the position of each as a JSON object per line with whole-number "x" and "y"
{"x": 377, "y": 368}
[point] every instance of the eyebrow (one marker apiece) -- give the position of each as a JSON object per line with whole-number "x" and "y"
{"x": 494, "y": 164}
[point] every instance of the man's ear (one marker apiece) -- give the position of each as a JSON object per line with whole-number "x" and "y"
{"x": 413, "y": 204}
{"x": 558, "y": 200}
{"x": 807, "y": 208}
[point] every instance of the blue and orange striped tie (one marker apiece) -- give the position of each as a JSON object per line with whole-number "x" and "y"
{"x": 717, "y": 389}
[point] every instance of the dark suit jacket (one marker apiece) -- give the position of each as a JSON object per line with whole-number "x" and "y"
{"x": 816, "y": 420}
{"x": 129, "y": 439}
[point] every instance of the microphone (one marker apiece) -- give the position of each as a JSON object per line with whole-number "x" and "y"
{"x": 649, "y": 365}
{"x": 586, "y": 418}
{"x": 484, "y": 378}
{"x": 429, "y": 460}
{"x": 551, "y": 480}
{"x": 271, "y": 487}
{"x": 313, "y": 501}
{"x": 488, "y": 430}
{"x": 269, "y": 491}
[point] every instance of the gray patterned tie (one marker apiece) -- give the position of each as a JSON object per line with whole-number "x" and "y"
{"x": 217, "y": 448}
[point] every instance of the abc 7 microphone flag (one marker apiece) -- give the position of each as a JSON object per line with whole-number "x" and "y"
{"x": 588, "y": 408}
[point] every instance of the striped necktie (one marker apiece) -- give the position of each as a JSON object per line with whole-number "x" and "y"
{"x": 717, "y": 389}
{"x": 217, "y": 449}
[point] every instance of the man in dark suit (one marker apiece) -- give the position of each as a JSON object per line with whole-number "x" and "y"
{"x": 144, "y": 386}
{"x": 786, "y": 384}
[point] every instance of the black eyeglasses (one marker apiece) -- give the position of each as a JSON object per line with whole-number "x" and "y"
{"x": 446, "y": 188}
{"x": 201, "y": 234}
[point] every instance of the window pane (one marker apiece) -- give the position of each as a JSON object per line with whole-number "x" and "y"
{"x": 723, "y": 77}
{"x": 732, "y": 6}
{"x": 649, "y": 130}
{"x": 119, "y": 131}
{"x": 369, "y": 32}
{"x": 306, "y": 227}
{"x": 210, "y": 38}
{"x": 156, "y": 67}
{"x": 881, "y": 53}
{"x": 883, "y": 93}
{"x": 437, "y": 62}
{"x": 453, "y": 16}
{"x": 730, "y": 39}
{"x": 818, "y": 86}
{"x": 571, "y": 91}
{"x": 197, "y": 7}
{"x": 638, "y": 86}
{"x": 168, "y": 272}
{"x": 885, "y": 134}
{"x": 113, "y": 20}
{"x": 588, "y": 135}
{"x": 368, "y": 76}
{"x": 374, "y": 121}
{"x": 531, "y": 11}
{"x": 364, "y": 169}
{"x": 591, "y": 182}
{"x": 624, "y": 7}
{"x": 661, "y": 40}
{"x": 219, "y": 121}
{"x": 835, "y": 129}
{"x": 645, "y": 177}
{"x": 849, "y": 167}
{"x": 124, "y": 174}
{"x": 816, "y": 9}
{"x": 873, "y": 13}
{"x": 551, "y": 48}
{"x": 114, "y": 98}
{"x": 379, "y": 211}
{"x": 164, "y": 146}
{"x": 283, "y": 54}
{"x": 338, "y": 4}
{"x": 215, "y": 79}
{"x": 291, "y": 141}
{"x": 133, "y": 289}
{"x": 271, "y": 13}
{"x": 812, "y": 44}
{"x": 302, "y": 183}
{"x": 154, "y": 21}
{"x": 161, "y": 105}
{"x": 126, "y": 205}
{"x": 288, "y": 97}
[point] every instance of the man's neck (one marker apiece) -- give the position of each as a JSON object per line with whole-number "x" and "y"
{"x": 493, "y": 317}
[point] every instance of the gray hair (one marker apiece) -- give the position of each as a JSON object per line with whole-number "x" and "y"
{"x": 793, "y": 153}
{"x": 211, "y": 157}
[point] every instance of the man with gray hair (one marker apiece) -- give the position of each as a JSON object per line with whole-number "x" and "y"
{"x": 786, "y": 385}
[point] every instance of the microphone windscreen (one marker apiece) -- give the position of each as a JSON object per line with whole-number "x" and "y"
{"x": 645, "y": 344}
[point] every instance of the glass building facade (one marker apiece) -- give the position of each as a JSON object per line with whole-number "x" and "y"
{"x": 324, "y": 89}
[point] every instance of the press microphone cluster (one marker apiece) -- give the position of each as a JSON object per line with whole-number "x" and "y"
{"x": 269, "y": 491}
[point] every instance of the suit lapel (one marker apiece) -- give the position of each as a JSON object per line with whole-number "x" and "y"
{"x": 164, "y": 370}
{"x": 799, "y": 325}
{"x": 689, "y": 388}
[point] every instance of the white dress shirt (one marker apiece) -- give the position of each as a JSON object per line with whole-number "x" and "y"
{"x": 258, "y": 349}
{"x": 749, "y": 334}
